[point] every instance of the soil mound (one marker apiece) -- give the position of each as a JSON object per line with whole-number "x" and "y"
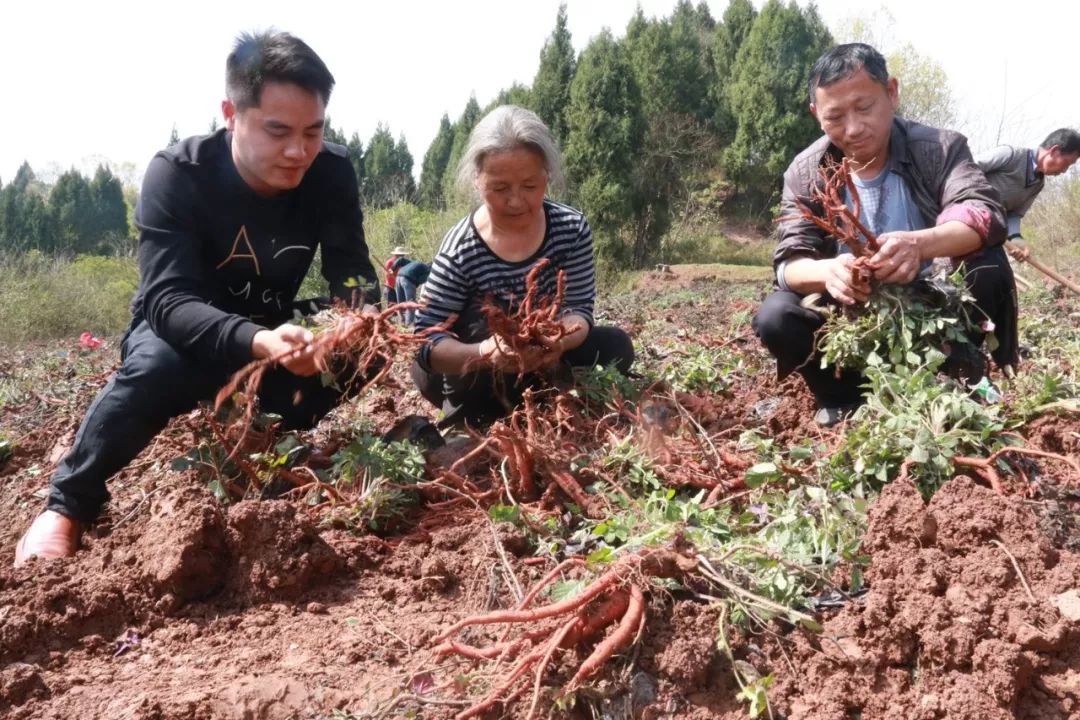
{"x": 278, "y": 554}
{"x": 948, "y": 628}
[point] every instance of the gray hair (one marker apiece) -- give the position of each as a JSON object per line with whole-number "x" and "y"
{"x": 509, "y": 127}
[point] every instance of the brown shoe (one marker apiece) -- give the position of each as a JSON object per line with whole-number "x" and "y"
{"x": 51, "y": 535}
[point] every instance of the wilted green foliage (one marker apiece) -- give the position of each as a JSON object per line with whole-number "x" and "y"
{"x": 373, "y": 478}
{"x": 910, "y": 413}
{"x": 900, "y": 325}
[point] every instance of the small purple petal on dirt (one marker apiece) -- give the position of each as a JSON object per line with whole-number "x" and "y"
{"x": 423, "y": 683}
{"x": 128, "y": 641}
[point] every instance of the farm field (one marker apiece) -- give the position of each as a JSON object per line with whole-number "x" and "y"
{"x": 699, "y": 547}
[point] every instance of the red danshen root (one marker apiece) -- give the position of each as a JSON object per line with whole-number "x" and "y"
{"x": 535, "y": 325}
{"x": 615, "y": 598}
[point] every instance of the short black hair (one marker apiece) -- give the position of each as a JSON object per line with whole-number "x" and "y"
{"x": 1067, "y": 138}
{"x": 843, "y": 61}
{"x": 270, "y": 56}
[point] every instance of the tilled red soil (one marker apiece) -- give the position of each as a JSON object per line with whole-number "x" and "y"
{"x": 948, "y": 629}
{"x": 180, "y": 607}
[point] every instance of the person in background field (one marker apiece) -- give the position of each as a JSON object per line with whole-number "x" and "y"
{"x": 410, "y": 277}
{"x": 1019, "y": 174}
{"x": 510, "y": 162}
{"x": 398, "y": 256}
{"x": 922, "y": 195}
{"x": 228, "y": 226}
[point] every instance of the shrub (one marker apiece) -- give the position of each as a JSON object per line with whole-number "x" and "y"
{"x": 44, "y": 297}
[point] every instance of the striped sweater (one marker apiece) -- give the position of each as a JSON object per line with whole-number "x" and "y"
{"x": 465, "y": 271}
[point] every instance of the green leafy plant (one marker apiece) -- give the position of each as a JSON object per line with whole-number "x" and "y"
{"x": 698, "y": 368}
{"x": 373, "y": 479}
{"x": 599, "y": 385}
{"x": 909, "y": 414}
{"x": 900, "y": 324}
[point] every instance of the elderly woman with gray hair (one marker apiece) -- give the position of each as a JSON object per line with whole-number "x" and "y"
{"x": 510, "y": 163}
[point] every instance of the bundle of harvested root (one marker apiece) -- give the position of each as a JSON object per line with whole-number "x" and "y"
{"x": 525, "y": 335}
{"x": 355, "y": 348}
{"x": 826, "y": 208}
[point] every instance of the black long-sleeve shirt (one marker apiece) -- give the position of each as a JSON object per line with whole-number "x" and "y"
{"x": 218, "y": 262}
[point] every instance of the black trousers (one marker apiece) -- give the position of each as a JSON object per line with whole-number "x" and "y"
{"x": 155, "y": 383}
{"x": 788, "y": 330}
{"x": 480, "y": 397}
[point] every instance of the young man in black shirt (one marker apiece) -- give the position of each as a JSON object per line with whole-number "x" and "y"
{"x": 228, "y": 227}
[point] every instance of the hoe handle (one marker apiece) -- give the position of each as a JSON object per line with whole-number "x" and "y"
{"x": 1048, "y": 271}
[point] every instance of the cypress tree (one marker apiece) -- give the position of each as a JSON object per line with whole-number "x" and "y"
{"x": 434, "y": 167}
{"x": 605, "y": 128}
{"x": 70, "y": 201}
{"x": 727, "y": 39}
{"x": 551, "y": 85}
{"x": 464, "y": 125}
{"x": 109, "y": 220}
{"x": 768, "y": 97}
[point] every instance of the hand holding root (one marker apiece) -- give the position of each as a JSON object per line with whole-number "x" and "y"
{"x": 360, "y": 341}
{"x": 898, "y": 260}
{"x": 848, "y": 280}
{"x": 290, "y": 343}
{"x": 826, "y": 208}
{"x": 530, "y": 338}
{"x": 498, "y": 354}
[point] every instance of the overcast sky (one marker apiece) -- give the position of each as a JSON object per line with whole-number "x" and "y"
{"x": 108, "y": 79}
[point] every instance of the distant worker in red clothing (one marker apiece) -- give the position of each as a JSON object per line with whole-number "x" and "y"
{"x": 399, "y": 257}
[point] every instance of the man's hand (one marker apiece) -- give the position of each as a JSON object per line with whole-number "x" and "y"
{"x": 899, "y": 259}
{"x": 840, "y": 281}
{"x": 291, "y": 344}
{"x": 1017, "y": 248}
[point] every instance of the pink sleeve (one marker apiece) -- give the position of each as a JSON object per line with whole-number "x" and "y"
{"x": 978, "y": 219}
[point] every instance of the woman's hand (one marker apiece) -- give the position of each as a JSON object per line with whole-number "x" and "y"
{"x": 495, "y": 353}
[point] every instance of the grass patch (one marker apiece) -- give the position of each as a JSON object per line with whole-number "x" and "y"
{"x": 45, "y": 297}
{"x": 705, "y": 244}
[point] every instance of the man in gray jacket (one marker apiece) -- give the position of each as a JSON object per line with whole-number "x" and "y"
{"x": 1019, "y": 174}
{"x": 921, "y": 194}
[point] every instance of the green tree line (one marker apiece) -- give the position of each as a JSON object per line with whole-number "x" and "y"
{"x": 680, "y": 122}
{"x": 384, "y": 169}
{"x": 75, "y": 215}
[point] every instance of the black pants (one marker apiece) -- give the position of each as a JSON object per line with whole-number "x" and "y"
{"x": 155, "y": 383}
{"x": 788, "y": 330}
{"x": 481, "y": 397}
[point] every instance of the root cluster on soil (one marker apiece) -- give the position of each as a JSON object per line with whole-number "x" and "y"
{"x": 669, "y": 552}
{"x": 613, "y": 599}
